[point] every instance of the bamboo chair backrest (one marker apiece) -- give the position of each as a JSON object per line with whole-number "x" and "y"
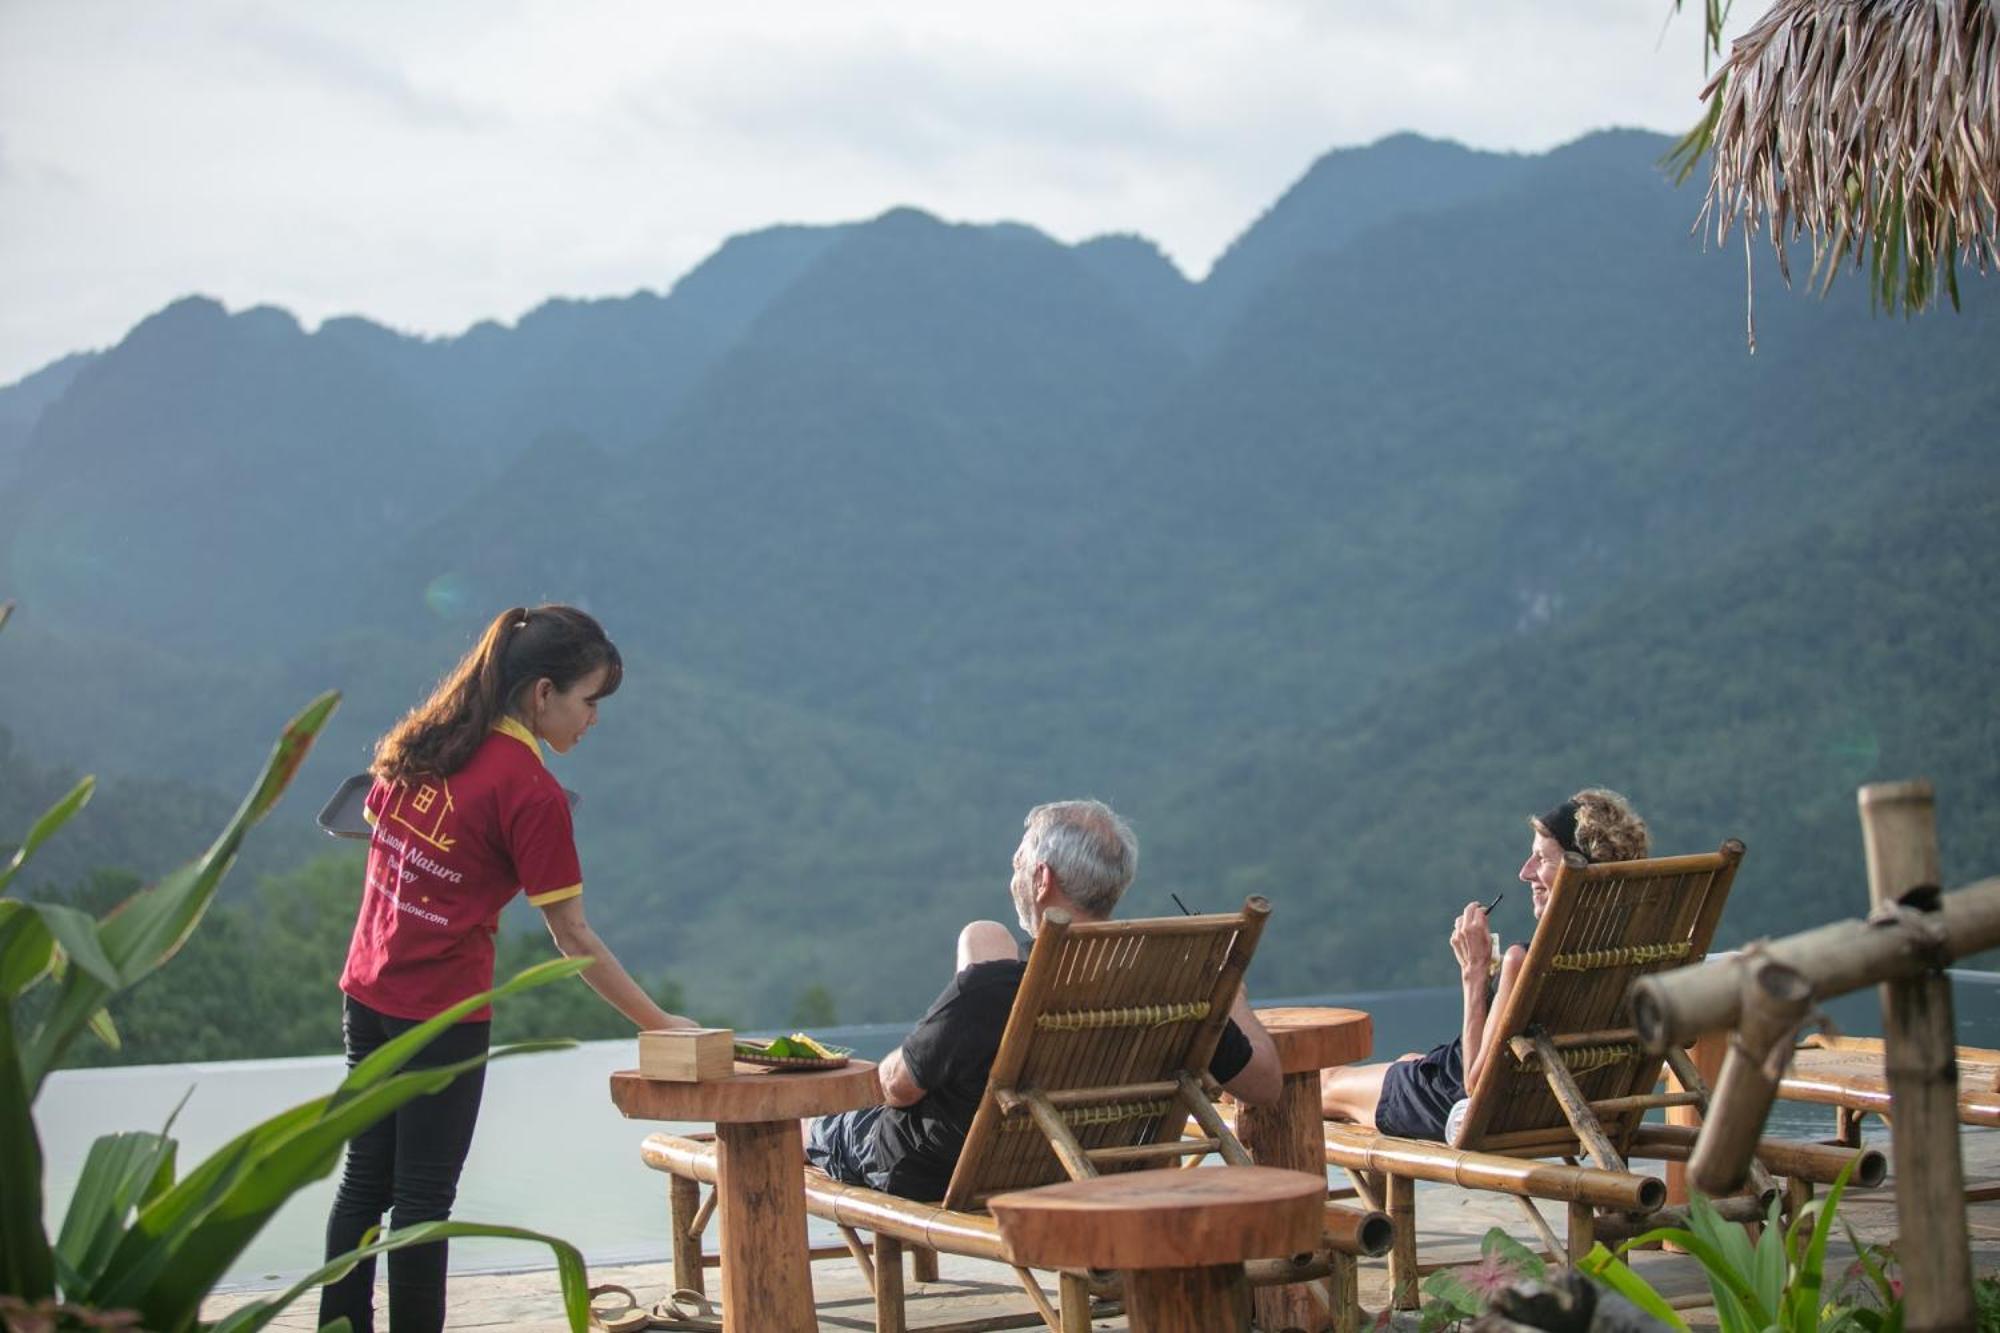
{"x": 1105, "y": 1005}
{"x": 1606, "y": 925}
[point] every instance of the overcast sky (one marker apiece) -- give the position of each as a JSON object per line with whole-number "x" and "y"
{"x": 429, "y": 163}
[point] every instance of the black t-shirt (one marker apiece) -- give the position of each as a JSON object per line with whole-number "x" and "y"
{"x": 949, "y": 1053}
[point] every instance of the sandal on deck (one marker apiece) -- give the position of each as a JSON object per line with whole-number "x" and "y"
{"x": 685, "y": 1310}
{"x": 626, "y": 1318}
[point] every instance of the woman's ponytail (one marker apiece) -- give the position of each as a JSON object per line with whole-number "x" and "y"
{"x": 520, "y": 646}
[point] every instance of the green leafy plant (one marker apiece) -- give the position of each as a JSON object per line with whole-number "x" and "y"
{"x": 1776, "y": 1283}
{"x": 1457, "y": 1294}
{"x": 141, "y": 1245}
{"x": 1986, "y": 1299}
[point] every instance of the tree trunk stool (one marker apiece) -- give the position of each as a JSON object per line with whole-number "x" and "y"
{"x": 1309, "y": 1039}
{"x": 1179, "y": 1238}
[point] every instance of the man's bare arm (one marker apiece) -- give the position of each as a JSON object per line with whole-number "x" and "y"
{"x": 1259, "y": 1082}
{"x": 898, "y": 1088}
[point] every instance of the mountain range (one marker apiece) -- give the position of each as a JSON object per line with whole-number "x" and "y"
{"x": 1451, "y": 488}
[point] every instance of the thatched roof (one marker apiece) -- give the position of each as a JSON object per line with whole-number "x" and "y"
{"x": 1871, "y": 126}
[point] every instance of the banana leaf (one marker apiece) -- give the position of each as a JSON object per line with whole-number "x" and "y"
{"x": 122, "y": 1173}
{"x": 58, "y": 814}
{"x": 173, "y": 1255}
{"x": 184, "y": 1241}
{"x": 75, "y": 934}
{"x": 569, "y": 1268}
{"x": 27, "y": 950}
{"x": 150, "y": 926}
{"x": 27, "y": 1266}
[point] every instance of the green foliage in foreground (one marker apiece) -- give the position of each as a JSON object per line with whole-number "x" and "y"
{"x": 1986, "y": 1298}
{"x": 140, "y": 1241}
{"x": 1777, "y": 1283}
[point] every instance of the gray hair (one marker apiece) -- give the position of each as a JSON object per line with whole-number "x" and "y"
{"x": 1093, "y": 854}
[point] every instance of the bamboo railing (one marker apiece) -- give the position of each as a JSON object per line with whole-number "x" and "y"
{"x": 1913, "y": 932}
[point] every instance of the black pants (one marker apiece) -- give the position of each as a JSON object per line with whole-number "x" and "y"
{"x": 406, "y": 1165}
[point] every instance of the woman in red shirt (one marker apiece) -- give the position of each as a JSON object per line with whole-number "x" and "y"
{"x": 465, "y": 816}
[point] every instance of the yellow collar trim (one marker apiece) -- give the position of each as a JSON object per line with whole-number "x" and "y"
{"x": 508, "y": 726}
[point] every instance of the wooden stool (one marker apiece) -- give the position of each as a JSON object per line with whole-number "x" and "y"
{"x": 1288, "y": 1134}
{"x": 1178, "y": 1237}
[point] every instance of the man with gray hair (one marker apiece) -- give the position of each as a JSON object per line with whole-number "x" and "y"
{"x": 1075, "y": 855}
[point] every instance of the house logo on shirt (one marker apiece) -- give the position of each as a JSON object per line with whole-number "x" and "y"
{"x": 422, "y": 809}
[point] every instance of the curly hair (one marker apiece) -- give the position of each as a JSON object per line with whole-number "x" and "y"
{"x": 1607, "y": 827}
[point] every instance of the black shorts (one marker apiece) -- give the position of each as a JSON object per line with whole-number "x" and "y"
{"x": 843, "y": 1146}
{"x": 1417, "y": 1095}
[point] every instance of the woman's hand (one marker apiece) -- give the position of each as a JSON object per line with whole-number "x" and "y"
{"x": 1472, "y": 943}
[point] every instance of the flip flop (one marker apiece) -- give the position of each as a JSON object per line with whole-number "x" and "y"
{"x": 685, "y": 1310}
{"x": 626, "y": 1318}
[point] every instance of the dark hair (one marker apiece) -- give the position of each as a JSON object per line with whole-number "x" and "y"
{"x": 520, "y": 647}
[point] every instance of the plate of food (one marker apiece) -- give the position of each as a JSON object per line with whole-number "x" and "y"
{"x": 797, "y": 1051}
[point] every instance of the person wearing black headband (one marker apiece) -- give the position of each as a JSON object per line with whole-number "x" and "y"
{"x": 1412, "y": 1097}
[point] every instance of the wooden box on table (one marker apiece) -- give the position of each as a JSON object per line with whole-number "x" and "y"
{"x": 687, "y": 1055}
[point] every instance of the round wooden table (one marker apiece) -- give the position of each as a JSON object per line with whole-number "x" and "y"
{"x": 760, "y": 1175}
{"x": 1179, "y": 1237}
{"x": 1309, "y": 1039}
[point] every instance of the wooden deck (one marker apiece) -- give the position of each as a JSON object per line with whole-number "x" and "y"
{"x": 1453, "y": 1220}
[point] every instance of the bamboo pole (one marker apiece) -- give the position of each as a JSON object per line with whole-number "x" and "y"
{"x": 685, "y": 1209}
{"x": 1359, "y": 1154}
{"x": 1357, "y": 1232}
{"x": 1679, "y": 1005}
{"x": 1899, "y": 841}
{"x": 1819, "y": 1163}
{"x": 1775, "y": 1002}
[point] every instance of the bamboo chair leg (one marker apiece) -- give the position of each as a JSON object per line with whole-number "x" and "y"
{"x": 1575, "y": 1106}
{"x": 1342, "y": 1297}
{"x": 1074, "y": 1292}
{"x": 707, "y": 1210}
{"x": 859, "y": 1249}
{"x": 1368, "y": 1186}
{"x": 684, "y": 1207}
{"x": 1403, "y": 1248}
{"x": 1847, "y": 1126}
{"x": 1547, "y": 1233}
{"x": 923, "y": 1263}
{"x": 889, "y": 1314}
{"x": 1582, "y": 1231}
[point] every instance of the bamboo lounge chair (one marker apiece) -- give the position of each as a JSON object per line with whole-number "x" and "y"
{"x": 1847, "y": 1074}
{"x": 1103, "y": 1062}
{"x": 1570, "y": 1078}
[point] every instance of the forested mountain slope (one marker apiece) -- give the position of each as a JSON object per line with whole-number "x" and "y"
{"x": 1451, "y": 489}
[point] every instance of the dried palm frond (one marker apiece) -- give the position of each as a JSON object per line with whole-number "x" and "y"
{"x": 1872, "y": 126}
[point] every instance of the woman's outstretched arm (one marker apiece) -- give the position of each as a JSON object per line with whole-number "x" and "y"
{"x": 606, "y": 975}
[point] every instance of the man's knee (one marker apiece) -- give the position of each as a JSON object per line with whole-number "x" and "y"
{"x": 985, "y": 942}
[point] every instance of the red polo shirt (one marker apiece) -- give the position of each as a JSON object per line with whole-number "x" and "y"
{"x": 447, "y": 854}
